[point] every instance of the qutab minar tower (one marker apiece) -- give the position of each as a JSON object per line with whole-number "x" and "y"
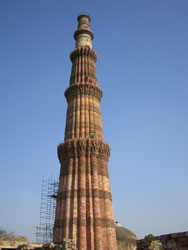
{"x": 84, "y": 204}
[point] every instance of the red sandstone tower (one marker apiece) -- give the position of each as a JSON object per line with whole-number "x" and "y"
{"x": 84, "y": 204}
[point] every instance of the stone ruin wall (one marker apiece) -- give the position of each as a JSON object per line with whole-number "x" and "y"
{"x": 175, "y": 241}
{"x": 66, "y": 244}
{"x": 9, "y": 242}
{"x": 15, "y": 242}
{"x": 126, "y": 245}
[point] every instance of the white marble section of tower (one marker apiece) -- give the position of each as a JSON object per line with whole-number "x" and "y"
{"x": 84, "y": 35}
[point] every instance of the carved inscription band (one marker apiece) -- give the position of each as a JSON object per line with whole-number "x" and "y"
{"x": 83, "y": 108}
{"x": 82, "y": 221}
{"x": 73, "y": 147}
{"x": 86, "y": 88}
{"x": 88, "y": 193}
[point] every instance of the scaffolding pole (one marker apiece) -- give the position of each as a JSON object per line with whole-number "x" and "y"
{"x": 44, "y": 232}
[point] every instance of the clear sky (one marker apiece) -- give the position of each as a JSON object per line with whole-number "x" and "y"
{"x": 142, "y": 67}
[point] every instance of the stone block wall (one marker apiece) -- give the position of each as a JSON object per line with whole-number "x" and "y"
{"x": 17, "y": 242}
{"x": 66, "y": 244}
{"x": 175, "y": 241}
{"x": 125, "y": 245}
{"x": 11, "y": 241}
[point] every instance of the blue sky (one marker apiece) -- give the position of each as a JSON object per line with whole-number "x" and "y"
{"x": 142, "y": 69}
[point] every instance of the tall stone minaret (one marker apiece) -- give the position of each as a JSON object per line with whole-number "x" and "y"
{"x": 84, "y": 203}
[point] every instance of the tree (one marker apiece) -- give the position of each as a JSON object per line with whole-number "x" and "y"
{"x": 3, "y": 232}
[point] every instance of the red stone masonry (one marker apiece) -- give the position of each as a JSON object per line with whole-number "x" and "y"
{"x": 174, "y": 241}
{"x": 84, "y": 204}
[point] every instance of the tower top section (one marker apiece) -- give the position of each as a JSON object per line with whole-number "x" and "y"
{"x": 83, "y": 35}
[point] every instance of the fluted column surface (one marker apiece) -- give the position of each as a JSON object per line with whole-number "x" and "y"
{"x": 84, "y": 204}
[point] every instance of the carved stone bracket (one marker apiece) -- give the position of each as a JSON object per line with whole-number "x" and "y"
{"x": 86, "y": 88}
{"x": 75, "y": 147}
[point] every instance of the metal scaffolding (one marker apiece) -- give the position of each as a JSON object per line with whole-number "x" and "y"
{"x": 44, "y": 232}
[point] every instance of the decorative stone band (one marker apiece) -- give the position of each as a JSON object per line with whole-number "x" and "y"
{"x": 83, "y": 51}
{"x": 99, "y": 170}
{"x": 83, "y": 108}
{"x": 88, "y": 193}
{"x": 80, "y": 89}
{"x": 73, "y": 147}
{"x": 83, "y": 221}
{"x": 83, "y": 31}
